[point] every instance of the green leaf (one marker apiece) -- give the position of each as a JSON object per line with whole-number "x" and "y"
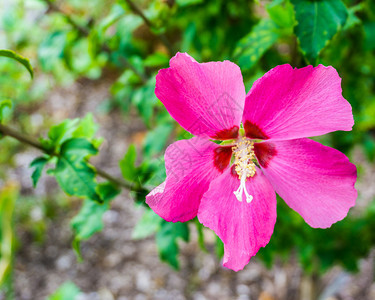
{"x": 156, "y": 139}
{"x": 73, "y": 173}
{"x": 252, "y": 47}
{"x": 59, "y": 133}
{"x": 353, "y": 20}
{"x": 38, "y": 165}
{"x": 107, "y": 191}
{"x": 144, "y": 99}
{"x": 318, "y": 21}
{"x": 24, "y": 61}
{"x": 281, "y": 13}
{"x": 67, "y": 291}
{"x": 4, "y": 106}
{"x": 86, "y": 128}
{"x": 128, "y": 169}
{"x": 188, "y": 2}
{"x": 89, "y": 219}
{"x": 166, "y": 241}
{"x": 147, "y": 225}
{"x": 8, "y": 196}
{"x": 200, "y": 227}
{"x": 156, "y": 60}
{"x": 219, "y": 248}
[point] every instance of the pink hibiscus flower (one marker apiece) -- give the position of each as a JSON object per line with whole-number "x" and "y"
{"x": 231, "y": 187}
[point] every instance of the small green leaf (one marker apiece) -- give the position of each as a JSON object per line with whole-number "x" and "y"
{"x": 86, "y": 128}
{"x": 188, "y": 2}
{"x": 107, "y": 191}
{"x": 89, "y": 219}
{"x": 59, "y": 133}
{"x": 24, "y": 61}
{"x": 67, "y": 291}
{"x": 200, "y": 227}
{"x": 166, "y": 241}
{"x": 147, "y": 225}
{"x": 156, "y": 139}
{"x": 219, "y": 248}
{"x": 156, "y": 60}
{"x": 8, "y": 196}
{"x": 4, "y": 106}
{"x": 318, "y": 21}
{"x": 353, "y": 20}
{"x": 252, "y": 47}
{"x": 281, "y": 12}
{"x": 128, "y": 169}
{"x": 38, "y": 165}
{"x": 73, "y": 173}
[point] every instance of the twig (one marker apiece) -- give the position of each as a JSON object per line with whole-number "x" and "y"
{"x": 163, "y": 38}
{"x": 7, "y": 131}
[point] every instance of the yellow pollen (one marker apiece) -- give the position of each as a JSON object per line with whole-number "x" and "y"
{"x": 244, "y": 158}
{"x": 244, "y": 166}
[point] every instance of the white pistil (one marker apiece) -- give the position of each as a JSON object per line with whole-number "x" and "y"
{"x": 244, "y": 166}
{"x": 241, "y": 189}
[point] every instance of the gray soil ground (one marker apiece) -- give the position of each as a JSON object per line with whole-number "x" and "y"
{"x": 117, "y": 267}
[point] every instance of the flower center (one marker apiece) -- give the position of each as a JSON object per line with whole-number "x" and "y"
{"x": 244, "y": 166}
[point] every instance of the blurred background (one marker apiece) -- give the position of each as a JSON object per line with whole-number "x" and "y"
{"x": 94, "y": 64}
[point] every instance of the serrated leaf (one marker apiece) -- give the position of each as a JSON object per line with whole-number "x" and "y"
{"x": 252, "y": 47}
{"x": 166, "y": 241}
{"x": 67, "y": 291}
{"x": 38, "y": 165}
{"x": 4, "y": 105}
{"x": 22, "y": 60}
{"x": 73, "y": 173}
{"x": 318, "y": 21}
{"x": 128, "y": 169}
{"x": 148, "y": 224}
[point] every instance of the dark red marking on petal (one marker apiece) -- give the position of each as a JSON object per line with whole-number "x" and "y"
{"x": 222, "y": 156}
{"x": 264, "y": 153}
{"x": 252, "y": 131}
{"x": 227, "y": 134}
{"x": 233, "y": 171}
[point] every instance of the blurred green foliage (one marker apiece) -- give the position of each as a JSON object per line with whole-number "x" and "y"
{"x": 110, "y": 40}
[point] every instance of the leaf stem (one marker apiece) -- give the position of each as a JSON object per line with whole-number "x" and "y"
{"x": 7, "y": 131}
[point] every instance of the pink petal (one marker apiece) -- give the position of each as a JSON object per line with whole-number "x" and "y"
{"x": 206, "y": 99}
{"x": 289, "y": 103}
{"x": 314, "y": 180}
{"x": 243, "y": 227}
{"x": 190, "y": 166}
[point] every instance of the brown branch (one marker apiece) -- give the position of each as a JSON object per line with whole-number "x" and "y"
{"x": 7, "y": 131}
{"x": 163, "y": 38}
